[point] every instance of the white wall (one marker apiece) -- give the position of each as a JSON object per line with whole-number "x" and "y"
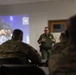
{"x": 40, "y": 13}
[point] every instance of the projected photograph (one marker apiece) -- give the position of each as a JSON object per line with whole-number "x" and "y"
{"x": 9, "y": 23}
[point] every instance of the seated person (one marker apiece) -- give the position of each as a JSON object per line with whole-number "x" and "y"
{"x": 64, "y": 63}
{"x": 62, "y": 44}
{"x": 16, "y": 48}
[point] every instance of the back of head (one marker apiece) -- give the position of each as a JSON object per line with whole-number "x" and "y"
{"x": 17, "y": 34}
{"x": 72, "y": 29}
{"x": 62, "y": 36}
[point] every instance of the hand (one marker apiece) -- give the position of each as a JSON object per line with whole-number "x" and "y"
{"x": 53, "y": 40}
{"x": 43, "y": 40}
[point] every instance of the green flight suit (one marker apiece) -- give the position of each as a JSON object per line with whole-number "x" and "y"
{"x": 45, "y": 47}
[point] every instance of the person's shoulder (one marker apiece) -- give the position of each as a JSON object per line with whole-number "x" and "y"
{"x": 26, "y": 45}
{"x": 58, "y": 48}
{"x": 60, "y": 54}
{"x": 6, "y": 42}
{"x": 22, "y": 43}
{"x": 42, "y": 34}
{"x": 51, "y": 34}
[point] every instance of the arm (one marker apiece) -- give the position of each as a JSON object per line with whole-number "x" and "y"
{"x": 53, "y": 39}
{"x": 34, "y": 56}
{"x": 41, "y": 39}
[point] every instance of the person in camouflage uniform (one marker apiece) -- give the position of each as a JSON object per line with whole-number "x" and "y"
{"x": 46, "y": 40}
{"x": 16, "y": 48}
{"x": 64, "y": 63}
{"x": 60, "y": 45}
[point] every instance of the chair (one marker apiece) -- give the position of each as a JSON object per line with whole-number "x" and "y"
{"x": 5, "y": 60}
{"x": 21, "y": 70}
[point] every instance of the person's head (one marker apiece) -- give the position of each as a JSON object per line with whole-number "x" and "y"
{"x": 62, "y": 37}
{"x": 72, "y": 29}
{"x": 46, "y": 30}
{"x": 17, "y": 34}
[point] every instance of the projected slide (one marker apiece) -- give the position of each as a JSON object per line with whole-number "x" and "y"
{"x": 9, "y": 23}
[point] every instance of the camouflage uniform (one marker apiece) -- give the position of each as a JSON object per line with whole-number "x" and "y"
{"x": 58, "y": 47}
{"x": 63, "y": 63}
{"x": 23, "y": 51}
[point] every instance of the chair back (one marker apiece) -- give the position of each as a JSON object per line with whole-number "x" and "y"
{"x": 21, "y": 70}
{"x": 6, "y": 60}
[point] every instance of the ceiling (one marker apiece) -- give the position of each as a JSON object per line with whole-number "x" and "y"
{"x": 6, "y": 2}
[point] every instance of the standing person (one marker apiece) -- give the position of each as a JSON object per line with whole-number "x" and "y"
{"x": 46, "y": 40}
{"x": 16, "y": 48}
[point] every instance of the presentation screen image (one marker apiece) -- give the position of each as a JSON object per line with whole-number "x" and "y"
{"x": 9, "y": 23}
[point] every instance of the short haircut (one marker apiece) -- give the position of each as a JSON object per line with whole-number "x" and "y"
{"x": 46, "y": 27}
{"x": 17, "y": 34}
